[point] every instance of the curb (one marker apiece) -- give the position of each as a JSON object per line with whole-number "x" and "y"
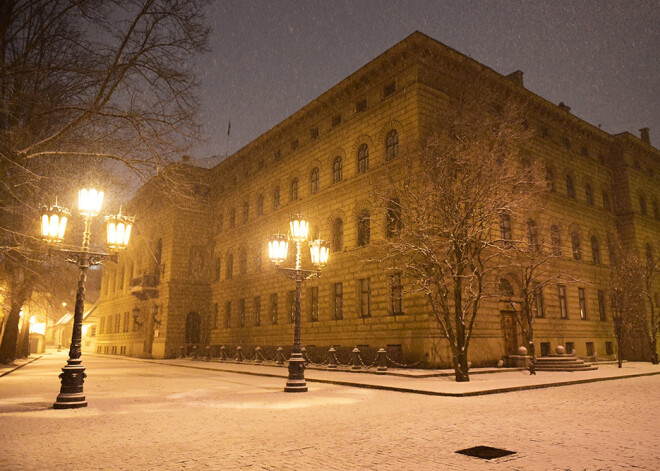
{"x": 19, "y": 366}
{"x": 396, "y": 388}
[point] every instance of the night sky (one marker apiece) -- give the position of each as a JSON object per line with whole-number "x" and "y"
{"x": 270, "y": 58}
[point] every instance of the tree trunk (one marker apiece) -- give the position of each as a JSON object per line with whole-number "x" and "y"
{"x": 532, "y": 357}
{"x": 461, "y": 367}
{"x": 23, "y": 345}
{"x": 654, "y": 350}
{"x": 10, "y": 339}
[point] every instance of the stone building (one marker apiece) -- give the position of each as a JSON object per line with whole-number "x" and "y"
{"x": 198, "y": 274}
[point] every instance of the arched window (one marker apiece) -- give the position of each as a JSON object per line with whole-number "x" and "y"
{"x": 642, "y": 205}
{"x": 364, "y": 228}
{"x": 276, "y": 197}
{"x": 242, "y": 262}
{"x": 532, "y": 235}
{"x": 394, "y": 223}
{"x": 606, "y": 201}
{"x": 229, "y": 268}
{"x": 338, "y": 235}
{"x": 589, "y": 194}
{"x": 193, "y": 327}
{"x": 294, "y": 189}
{"x": 505, "y": 288}
{"x": 570, "y": 187}
{"x": 505, "y": 229}
{"x": 550, "y": 179}
{"x": 260, "y": 205}
{"x": 577, "y": 250}
{"x": 232, "y": 217}
{"x": 649, "y": 255}
{"x": 314, "y": 180}
{"x": 392, "y": 145}
{"x": 555, "y": 240}
{"x": 336, "y": 169}
{"x": 363, "y": 158}
{"x": 595, "y": 250}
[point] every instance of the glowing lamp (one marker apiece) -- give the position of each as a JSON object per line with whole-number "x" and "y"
{"x": 299, "y": 227}
{"x": 53, "y": 223}
{"x": 89, "y": 201}
{"x": 319, "y": 251}
{"x": 119, "y": 230}
{"x": 278, "y": 247}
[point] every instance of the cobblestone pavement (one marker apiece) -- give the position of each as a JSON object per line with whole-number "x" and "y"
{"x": 149, "y": 416}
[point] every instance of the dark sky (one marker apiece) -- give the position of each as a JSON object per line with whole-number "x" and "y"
{"x": 270, "y": 58}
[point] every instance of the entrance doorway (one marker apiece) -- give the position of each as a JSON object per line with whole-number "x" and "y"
{"x": 193, "y": 327}
{"x": 510, "y": 331}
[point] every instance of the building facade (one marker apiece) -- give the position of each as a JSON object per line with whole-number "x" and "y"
{"x": 198, "y": 273}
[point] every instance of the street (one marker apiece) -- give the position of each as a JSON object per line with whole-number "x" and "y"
{"x": 155, "y": 416}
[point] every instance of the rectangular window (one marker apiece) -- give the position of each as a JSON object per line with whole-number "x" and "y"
{"x": 336, "y": 120}
{"x": 570, "y": 348}
{"x": 609, "y": 348}
{"x": 257, "y": 310}
{"x": 291, "y": 305}
{"x": 601, "y": 305}
{"x": 314, "y": 133}
{"x": 563, "y": 308}
{"x": 216, "y": 314}
{"x": 360, "y": 106}
{"x": 389, "y": 89}
{"x": 545, "y": 349}
{"x": 273, "y": 308}
{"x": 590, "y": 349}
{"x": 338, "y": 304}
{"x": 294, "y": 144}
{"x": 218, "y": 268}
{"x": 127, "y": 321}
{"x": 583, "y": 303}
{"x": 365, "y": 297}
{"x": 538, "y": 302}
{"x": 314, "y": 303}
{"x": 246, "y": 212}
{"x": 396, "y": 294}
{"x": 228, "y": 314}
{"x": 117, "y": 322}
{"x": 241, "y": 311}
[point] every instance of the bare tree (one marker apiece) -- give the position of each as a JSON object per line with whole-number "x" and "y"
{"x": 444, "y": 209}
{"x": 531, "y": 266}
{"x": 86, "y": 87}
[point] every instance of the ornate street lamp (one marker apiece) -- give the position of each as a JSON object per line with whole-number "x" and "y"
{"x": 278, "y": 246}
{"x": 53, "y": 226}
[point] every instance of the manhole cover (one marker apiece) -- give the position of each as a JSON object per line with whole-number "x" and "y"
{"x": 485, "y": 452}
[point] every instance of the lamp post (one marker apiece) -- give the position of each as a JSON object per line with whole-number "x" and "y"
{"x": 278, "y": 247}
{"x": 53, "y": 226}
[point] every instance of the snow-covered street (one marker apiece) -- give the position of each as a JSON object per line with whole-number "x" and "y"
{"x": 156, "y": 416}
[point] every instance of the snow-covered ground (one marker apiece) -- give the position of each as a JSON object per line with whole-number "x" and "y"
{"x": 156, "y": 416}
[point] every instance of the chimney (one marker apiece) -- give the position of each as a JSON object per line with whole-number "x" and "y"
{"x": 516, "y": 77}
{"x": 563, "y": 106}
{"x": 644, "y": 135}
{"x": 185, "y": 158}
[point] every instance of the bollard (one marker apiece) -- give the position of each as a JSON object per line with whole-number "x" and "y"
{"x": 182, "y": 351}
{"x": 194, "y": 352}
{"x": 303, "y": 352}
{"x": 239, "y": 353}
{"x": 356, "y": 359}
{"x": 280, "y": 356}
{"x": 257, "y": 355}
{"x": 381, "y": 360}
{"x": 208, "y": 353}
{"x": 332, "y": 359}
{"x": 223, "y": 353}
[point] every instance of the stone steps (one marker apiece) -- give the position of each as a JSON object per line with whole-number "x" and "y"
{"x": 563, "y": 362}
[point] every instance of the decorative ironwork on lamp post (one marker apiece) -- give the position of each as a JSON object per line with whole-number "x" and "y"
{"x": 53, "y": 226}
{"x": 278, "y": 247}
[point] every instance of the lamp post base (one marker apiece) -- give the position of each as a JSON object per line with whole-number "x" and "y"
{"x": 296, "y": 381}
{"x": 71, "y": 392}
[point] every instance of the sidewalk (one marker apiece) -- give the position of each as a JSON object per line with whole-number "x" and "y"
{"x": 16, "y": 364}
{"x": 428, "y": 382}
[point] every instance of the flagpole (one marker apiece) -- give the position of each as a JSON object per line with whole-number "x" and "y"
{"x": 227, "y": 142}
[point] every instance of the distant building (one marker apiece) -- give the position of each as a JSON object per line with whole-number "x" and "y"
{"x": 200, "y": 275}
